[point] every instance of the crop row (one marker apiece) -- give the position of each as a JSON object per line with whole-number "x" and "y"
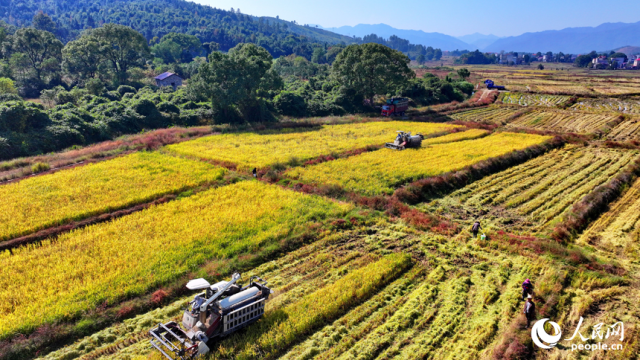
{"x": 532, "y": 99}
{"x": 492, "y": 114}
{"x": 542, "y": 189}
{"x": 54, "y": 199}
{"x": 628, "y": 106}
{"x": 249, "y": 150}
{"x": 619, "y": 228}
{"x": 107, "y": 262}
{"x": 563, "y": 121}
{"x": 381, "y": 171}
{"x": 458, "y": 136}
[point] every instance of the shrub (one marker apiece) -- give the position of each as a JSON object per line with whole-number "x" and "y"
{"x": 40, "y": 167}
{"x": 126, "y": 89}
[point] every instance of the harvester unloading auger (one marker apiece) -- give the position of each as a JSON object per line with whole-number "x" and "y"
{"x": 223, "y": 308}
{"x": 404, "y": 140}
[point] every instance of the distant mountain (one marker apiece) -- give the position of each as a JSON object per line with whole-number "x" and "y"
{"x": 478, "y": 41}
{"x": 630, "y": 51}
{"x": 436, "y": 40}
{"x": 607, "y": 36}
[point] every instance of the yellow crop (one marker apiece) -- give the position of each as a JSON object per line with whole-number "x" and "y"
{"x": 281, "y": 329}
{"x": 49, "y": 200}
{"x": 249, "y": 150}
{"x": 380, "y": 171}
{"x": 135, "y": 253}
{"x": 459, "y": 136}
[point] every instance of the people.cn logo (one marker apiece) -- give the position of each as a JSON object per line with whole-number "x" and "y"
{"x": 540, "y": 336}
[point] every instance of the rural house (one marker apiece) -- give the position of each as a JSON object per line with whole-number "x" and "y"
{"x": 168, "y": 79}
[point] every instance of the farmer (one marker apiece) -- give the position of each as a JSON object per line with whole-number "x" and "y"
{"x": 475, "y": 228}
{"x": 527, "y": 289}
{"x": 255, "y": 173}
{"x": 530, "y": 310}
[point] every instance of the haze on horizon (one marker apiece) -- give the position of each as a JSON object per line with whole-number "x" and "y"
{"x": 460, "y": 18}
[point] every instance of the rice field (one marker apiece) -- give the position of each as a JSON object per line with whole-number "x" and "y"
{"x": 627, "y": 106}
{"x": 534, "y": 196}
{"x": 54, "y": 199}
{"x": 381, "y": 171}
{"x": 563, "y": 121}
{"x": 532, "y": 99}
{"x": 492, "y": 114}
{"x": 618, "y": 230}
{"x": 629, "y": 129}
{"x": 111, "y": 261}
{"x": 249, "y": 150}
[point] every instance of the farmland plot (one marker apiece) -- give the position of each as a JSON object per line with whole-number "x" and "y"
{"x": 626, "y": 130}
{"x": 533, "y": 196}
{"x": 533, "y": 99}
{"x": 381, "y": 171}
{"x": 627, "y": 106}
{"x": 563, "y": 121}
{"x": 54, "y": 199}
{"x": 109, "y": 261}
{"x": 249, "y": 150}
{"x": 491, "y": 114}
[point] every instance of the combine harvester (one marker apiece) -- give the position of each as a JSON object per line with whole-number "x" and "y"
{"x": 395, "y": 107}
{"x": 404, "y": 140}
{"x": 492, "y": 86}
{"x": 223, "y": 308}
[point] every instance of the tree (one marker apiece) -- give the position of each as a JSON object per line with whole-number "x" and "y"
{"x": 464, "y": 73}
{"x": 82, "y": 58}
{"x": 372, "y": 69}
{"x": 437, "y": 54}
{"x": 583, "y": 60}
{"x": 237, "y": 78}
{"x": 42, "y": 21}
{"x": 540, "y": 67}
{"x": 318, "y": 56}
{"x": 527, "y": 59}
{"x": 41, "y": 49}
{"x": 420, "y": 59}
{"x": 183, "y": 47}
{"x": 619, "y": 55}
{"x": 121, "y": 47}
{"x": 429, "y": 53}
{"x": 7, "y": 86}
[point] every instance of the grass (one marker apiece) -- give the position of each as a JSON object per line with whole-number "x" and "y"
{"x": 74, "y": 194}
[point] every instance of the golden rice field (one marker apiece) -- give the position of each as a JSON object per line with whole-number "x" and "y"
{"x": 616, "y": 90}
{"x": 492, "y": 114}
{"x": 535, "y": 195}
{"x": 532, "y": 99}
{"x": 107, "y": 262}
{"x": 618, "y": 230}
{"x": 563, "y": 121}
{"x": 627, "y": 106}
{"x": 54, "y": 199}
{"x": 249, "y": 150}
{"x": 381, "y": 171}
{"x": 459, "y": 136}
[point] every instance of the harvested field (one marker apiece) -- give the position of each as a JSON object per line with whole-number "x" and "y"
{"x": 626, "y": 130}
{"x": 627, "y": 106}
{"x": 493, "y": 114}
{"x": 532, "y": 99}
{"x": 563, "y": 121}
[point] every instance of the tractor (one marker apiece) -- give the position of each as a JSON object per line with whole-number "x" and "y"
{"x": 404, "y": 140}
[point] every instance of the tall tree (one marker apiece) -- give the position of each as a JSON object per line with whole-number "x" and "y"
{"x": 122, "y": 47}
{"x": 42, "y": 21}
{"x": 235, "y": 79}
{"x": 372, "y": 69}
{"x": 175, "y": 47}
{"x": 82, "y": 58}
{"x": 41, "y": 49}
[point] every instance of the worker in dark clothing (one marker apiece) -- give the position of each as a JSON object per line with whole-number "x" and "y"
{"x": 255, "y": 173}
{"x": 475, "y": 228}
{"x": 530, "y": 310}
{"x": 527, "y": 289}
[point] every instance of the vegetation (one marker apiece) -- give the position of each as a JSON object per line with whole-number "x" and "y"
{"x": 563, "y": 121}
{"x": 112, "y": 261}
{"x": 381, "y": 171}
{"x": 74, "y": 194}
{"x": 249, "y": 150}
{"x": 533, "y": 99}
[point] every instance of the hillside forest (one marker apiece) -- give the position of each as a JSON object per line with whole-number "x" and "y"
{"x": 93, "y": 80}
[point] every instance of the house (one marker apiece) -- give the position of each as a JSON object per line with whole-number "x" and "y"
{"x": 168, "y": 79}
{"x": 636, "y": 62}
{"x": 600, "y": 61}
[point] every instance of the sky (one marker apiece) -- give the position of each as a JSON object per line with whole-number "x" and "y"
{"x": 456, "y": 18}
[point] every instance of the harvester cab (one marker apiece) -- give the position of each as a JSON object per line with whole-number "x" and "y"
{"x": 404, "y": 140}
{"x": 223, "y": 308}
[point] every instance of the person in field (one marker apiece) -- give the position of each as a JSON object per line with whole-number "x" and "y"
{"x": 530, "y": 310}
{"x": 475, "y": 228}
{"x": 527, "y": 289}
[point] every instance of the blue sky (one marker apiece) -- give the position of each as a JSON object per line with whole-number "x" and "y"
{"x": 457, "y": 18}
